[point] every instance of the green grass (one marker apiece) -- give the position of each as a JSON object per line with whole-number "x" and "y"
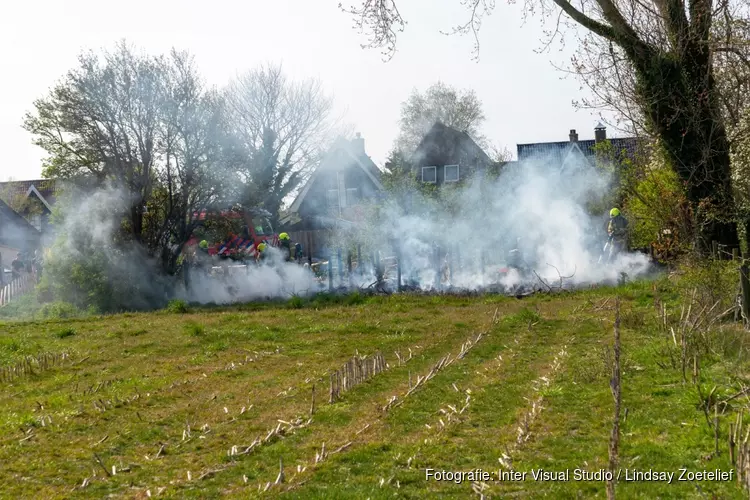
{"x": 135, "y": 383}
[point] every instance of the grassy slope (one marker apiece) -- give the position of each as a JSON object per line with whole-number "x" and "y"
{"x": 180, "y": 368}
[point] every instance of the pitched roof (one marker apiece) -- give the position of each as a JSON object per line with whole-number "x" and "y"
{"x": 445, "y": 141}
{"x": 45, "y": 189}
{"x": 361, "y": 160}
{"x": 13, "y": 228}
{"x": 557, "y": 151}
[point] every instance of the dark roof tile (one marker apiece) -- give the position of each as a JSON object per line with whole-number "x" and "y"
{"x": 556, "y": 151}
{"x": 444, "y": 143}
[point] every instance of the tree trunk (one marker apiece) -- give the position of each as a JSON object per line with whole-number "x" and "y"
{"x": 136, "y": 219}
{"x": 682, "y": 106}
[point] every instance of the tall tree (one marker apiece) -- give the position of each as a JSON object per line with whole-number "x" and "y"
{"x": 193, "y": 173}
{"x": 670, "y": 48}
{"x": 149, "y": 125}
{"x": 460, "y": 109}
{"x": 282, "y": 127}
{"x": 102, "y": 119}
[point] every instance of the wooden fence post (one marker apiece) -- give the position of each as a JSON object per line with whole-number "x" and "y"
{"x": 379, "y": 274}
{"x": 330, "y": 272}
{"x": 450, "y": 264}
{"x": 436, "y": 263}
{"x": 16, "y": 288}
{"x": 715, "y": 249}
{"x": 359, "y": 260}
{"x": 349, "y": 266}
{"x": 745, "y": 287}
{"x": 398, "y": 265}
{"x": 309, "y": 248}
{"x": 340, "y": 265}
{"x": 481, "y": 264}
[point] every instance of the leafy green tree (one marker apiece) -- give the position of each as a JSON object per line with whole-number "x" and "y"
{"x": 147, "y": 125}
{"x": 102, "y": 120}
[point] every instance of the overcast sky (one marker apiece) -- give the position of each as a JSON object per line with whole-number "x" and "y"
{"x": 525, "y": 99}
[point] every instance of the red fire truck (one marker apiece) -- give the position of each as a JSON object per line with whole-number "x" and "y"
{"x": 233, "y": 233}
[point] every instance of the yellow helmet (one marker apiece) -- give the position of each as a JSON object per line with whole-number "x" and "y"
{"x": 261, "y": 247}
{"x": 283, "y": 236}
{"x": 203, "y": 244}
{"x": 614, "y": 212}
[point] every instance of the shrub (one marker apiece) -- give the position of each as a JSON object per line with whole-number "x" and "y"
{"x": 91, "y": 264}
{"x": 656, "y": 203}
{"x": 296, "y": 302}
{"x": 59, "y": 310}
{"x": 712, "y": 281}
{"x": 177, "y": 306}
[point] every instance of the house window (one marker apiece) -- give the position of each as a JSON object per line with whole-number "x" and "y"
{"x": 36, "y": 221}
{"x": 429, "y": 174}
{"x": 451, "y": 173}
{"x": 352, "y": 196}
{"x": 333, "y": 199}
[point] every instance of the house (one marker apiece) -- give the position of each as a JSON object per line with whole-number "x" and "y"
{"x": 16, "y": 235}
{"x": 33, "y": 200}
{"x": 333, "y": 197}
{"x": 567, "y": 153}
{"x": 447, "y": 155}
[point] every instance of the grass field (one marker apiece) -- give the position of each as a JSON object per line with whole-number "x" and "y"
{"x": 208, "y": 402}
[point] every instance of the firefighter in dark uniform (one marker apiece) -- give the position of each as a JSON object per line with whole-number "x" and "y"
{"x": 291, "y": 252}
{"x": 617, "y": 229}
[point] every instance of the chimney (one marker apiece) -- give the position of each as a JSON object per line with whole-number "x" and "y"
{"x": 573, "y": 135}
{"x": 358, "y": 145}
{"x": 600, "y": 133}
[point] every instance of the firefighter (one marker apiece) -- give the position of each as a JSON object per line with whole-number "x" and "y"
{"x": 200, "y": 257}
{"x": 617, "y": 230}
{"x": 289, "y": 250}
{"x": 261, "y": 255}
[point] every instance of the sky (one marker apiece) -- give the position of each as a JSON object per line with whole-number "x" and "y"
{"x": 525, "y": 99}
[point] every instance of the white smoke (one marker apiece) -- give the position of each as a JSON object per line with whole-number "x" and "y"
{"x": 91, "y": 264}
{"x": 272, "y": 278}
{"x": 534, "y": 207}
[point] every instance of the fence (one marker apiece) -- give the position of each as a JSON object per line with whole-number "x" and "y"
{"x": 342, "y": 266}
{"x": 17, "y": 288}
